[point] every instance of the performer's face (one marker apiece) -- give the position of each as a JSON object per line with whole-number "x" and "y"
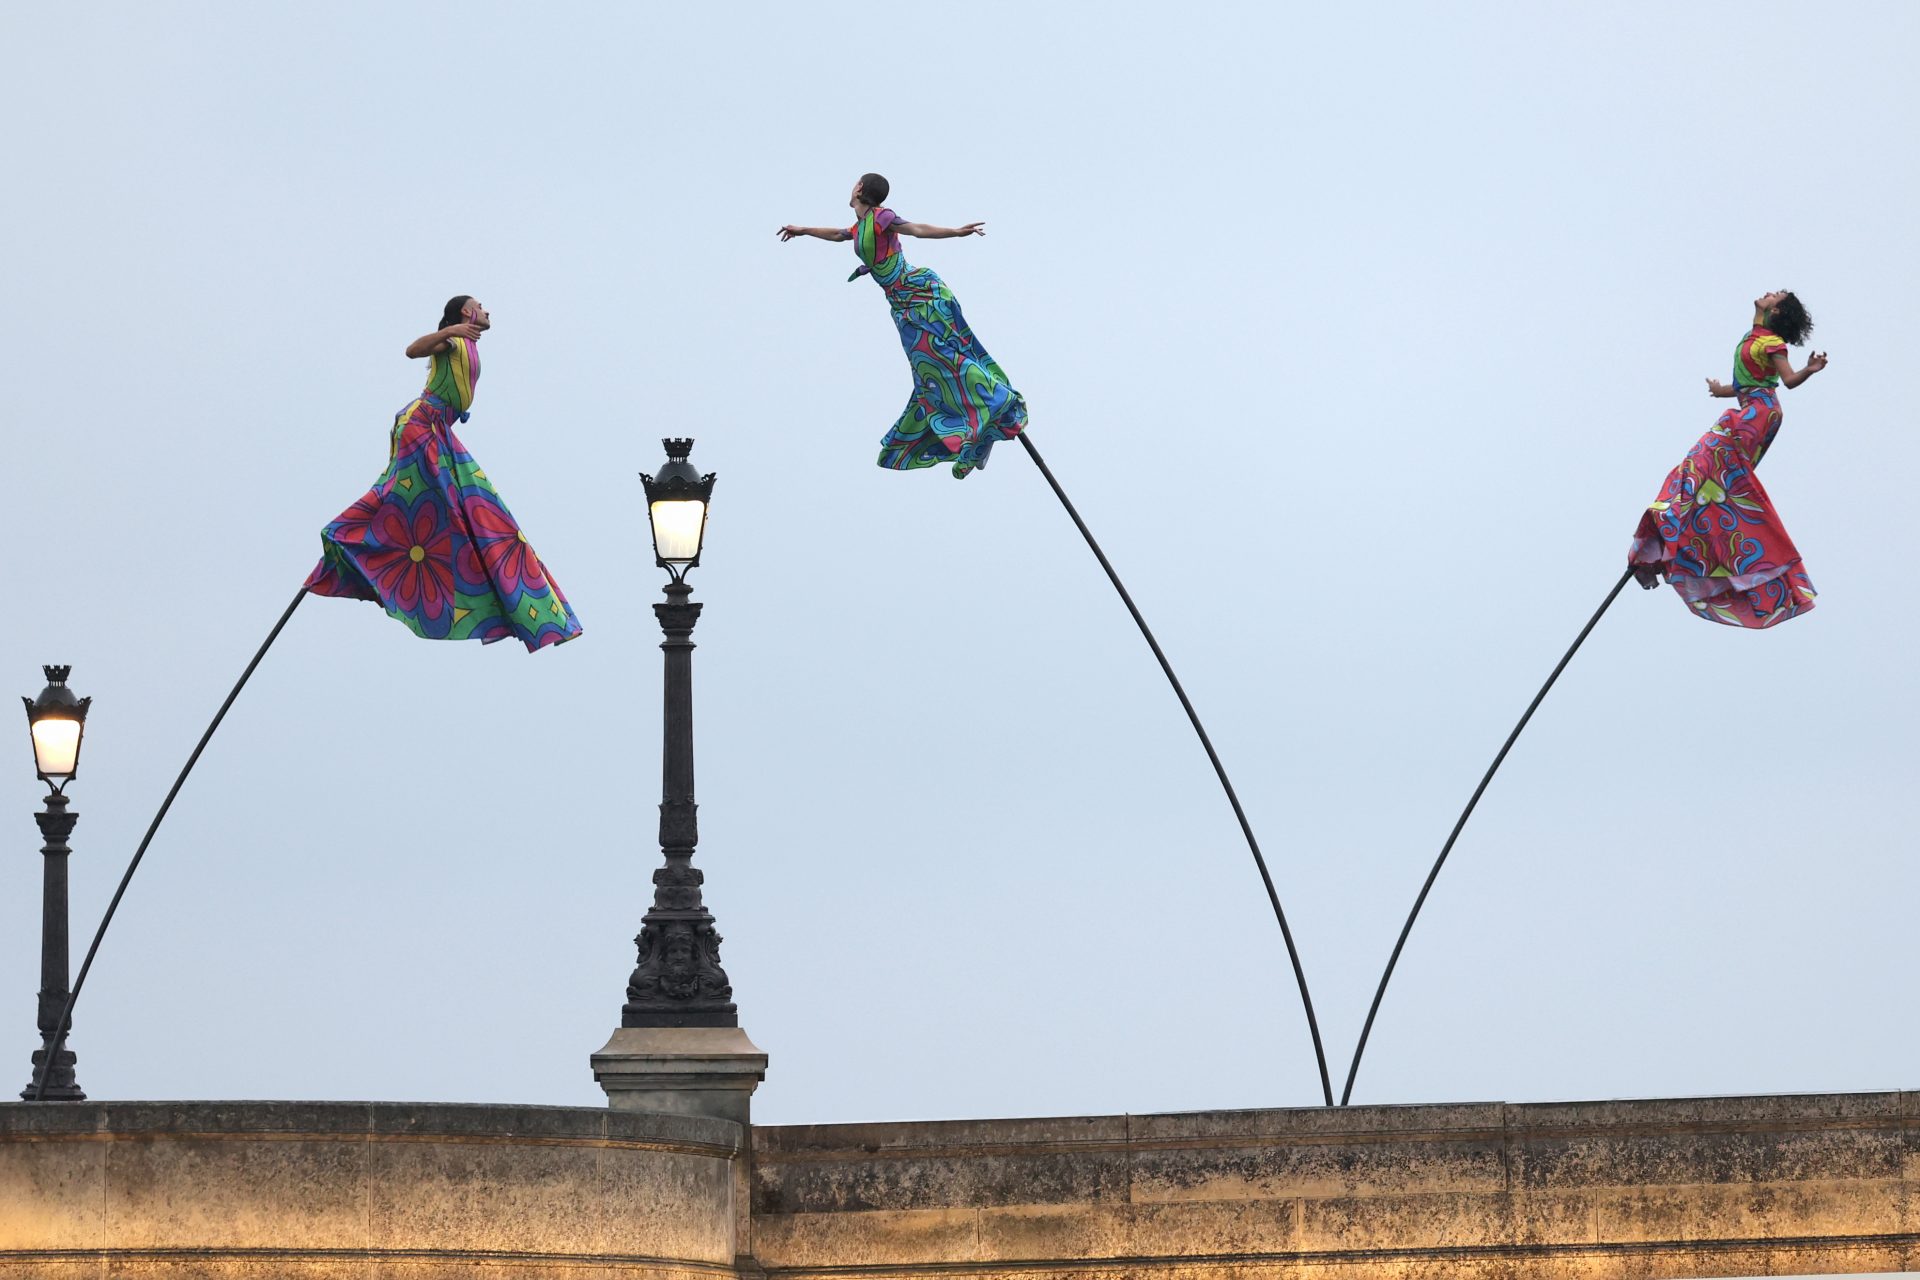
{"x": 475, "y": 314}
{"x": 1768, "y": 301}
{"x": 854, "y": 201}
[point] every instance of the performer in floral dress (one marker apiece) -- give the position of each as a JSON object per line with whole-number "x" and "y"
{"x": 432, "y": 542}
{"x": 1713, "y": 533}
{"x": 962, "y": 402}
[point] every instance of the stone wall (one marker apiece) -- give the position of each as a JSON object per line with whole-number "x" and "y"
{"x": 325, "y": 1191}
{"x": 1704, "y": 1187}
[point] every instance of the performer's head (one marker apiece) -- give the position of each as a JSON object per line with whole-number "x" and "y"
{"x": 1785, "y": 314}
{"x": 465, "y": 309}
{"x": 870, "y": 191}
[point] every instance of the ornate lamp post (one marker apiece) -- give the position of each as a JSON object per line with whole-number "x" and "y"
{"x": 679, "y": 981}
{"x": 679, "y": 1047}
{"x": 57, "y": 721}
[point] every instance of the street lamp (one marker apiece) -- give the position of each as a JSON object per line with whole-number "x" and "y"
{"x": 57, "y": 721}
{"x": 678, "y": 981}
{"x": 677, "y": 509}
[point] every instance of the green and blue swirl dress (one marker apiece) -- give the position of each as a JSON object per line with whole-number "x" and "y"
{"x": 962, "y": 402}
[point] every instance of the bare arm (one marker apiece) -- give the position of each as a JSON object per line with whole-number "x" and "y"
{"x": 789, "y": 231}
{"x": 434, "y": 343}
{"x": 1789, "y": 376}
{"x": 927, "y": 231}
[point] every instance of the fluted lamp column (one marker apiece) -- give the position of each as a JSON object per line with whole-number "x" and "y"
{"x": 679, "y": 1047}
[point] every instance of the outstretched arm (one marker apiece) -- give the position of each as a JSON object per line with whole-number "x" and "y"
{"x": 1789, "y": 376}
{"x": 434, "y": 343}
{"x": 789, "y": 231}
{"x": 927, "y": 231}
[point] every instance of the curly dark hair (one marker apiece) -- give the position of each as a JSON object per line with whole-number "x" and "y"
{"x": 451, "y": 313}
{"x": 874, "y": 189}
{"x": 1790, "y": 319}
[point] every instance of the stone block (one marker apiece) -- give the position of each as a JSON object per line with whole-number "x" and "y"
{"x": 920, "y": 1237}
{"x": 235, "y": 1191}
{"x": 687, "y": 1071}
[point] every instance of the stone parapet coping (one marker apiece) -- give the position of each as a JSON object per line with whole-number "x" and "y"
{"x": 379, "y": 1121}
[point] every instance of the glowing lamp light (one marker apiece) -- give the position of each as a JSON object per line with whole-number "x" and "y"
{"x": 677, "y": 501}
{"x": 58, "y": 721}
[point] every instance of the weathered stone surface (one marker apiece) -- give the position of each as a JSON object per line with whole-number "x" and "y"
{"x": 228, "y": 1191}
{"x": 1577, "y": 1191}
{"x": 941, "y": 1164}
{"x": 1691, "y": 1187}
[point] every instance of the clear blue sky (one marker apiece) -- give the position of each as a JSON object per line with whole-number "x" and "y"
{"x": 1361, "y": 334}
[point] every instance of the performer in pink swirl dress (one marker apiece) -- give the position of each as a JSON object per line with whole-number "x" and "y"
{"x": 1713, "y": 533}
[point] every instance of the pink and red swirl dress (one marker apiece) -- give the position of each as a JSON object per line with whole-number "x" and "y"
{"x": 1713, "y": 533}
{"x": 432, "y": 543}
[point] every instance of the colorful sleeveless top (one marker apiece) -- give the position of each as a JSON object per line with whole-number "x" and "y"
{"x": 1753, "y": 361}
{"x": 878, "y": 245}
{"x": 452, "y": 373}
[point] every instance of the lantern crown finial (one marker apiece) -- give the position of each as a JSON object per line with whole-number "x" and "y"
{"x": 677, "y": 471}
{"x": 56, "y": 697}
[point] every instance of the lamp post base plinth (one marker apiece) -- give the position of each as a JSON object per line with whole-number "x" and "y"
{"x": 61, "y": 1085}
{"x": 687, "y": 1071}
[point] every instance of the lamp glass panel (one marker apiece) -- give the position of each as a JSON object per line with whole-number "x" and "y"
{"x": 676, "y": 528}
{"x": 56, "y": 747}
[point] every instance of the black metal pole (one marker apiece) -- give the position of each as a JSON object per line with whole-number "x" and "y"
{"x": 56, "y": 824}
{"x": 66, "y": 1014}
{"x": 678, "y": 981}
{"x": 1461, "y": 823}
{"x": 1220, "y": 770}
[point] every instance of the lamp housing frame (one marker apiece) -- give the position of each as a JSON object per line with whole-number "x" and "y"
{"x": 678, "y": 481}
{"x": 57, "y": 702}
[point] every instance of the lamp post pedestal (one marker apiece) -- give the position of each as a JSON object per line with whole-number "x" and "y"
{"x": 689, "y": 1071}
{"x": 56, "y": 824}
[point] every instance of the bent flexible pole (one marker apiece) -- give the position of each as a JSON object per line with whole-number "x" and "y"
{"x": 66, "y": 1012}
{"x": 1453, "y": 835}
{"x": 1246, "y": 829}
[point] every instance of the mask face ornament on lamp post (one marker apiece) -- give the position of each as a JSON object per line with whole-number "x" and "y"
{"x": 680, "y": 1047}
{"x": 58, "y": 722}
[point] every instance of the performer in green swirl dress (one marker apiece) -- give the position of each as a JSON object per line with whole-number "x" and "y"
{"x": 962, "y": 401}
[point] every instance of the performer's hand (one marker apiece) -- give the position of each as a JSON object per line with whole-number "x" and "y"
{"x": 1816, "y": 362}
{"x": 789, "y": 232}
{"x": 462, "y": 330}
{"x": 973, "y": 229}
{"x": 1715, "y": 387}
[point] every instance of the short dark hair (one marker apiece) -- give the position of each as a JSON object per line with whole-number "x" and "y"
{"x": 451, "y": 314}
{"x": 1789, "y": 319}
{"x": 873, "y": 189}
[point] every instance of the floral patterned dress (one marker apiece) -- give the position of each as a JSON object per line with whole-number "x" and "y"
{"x": 1713, "y": 533}
{"x": 432, "y": 543}
{"x": 962, "y": 402}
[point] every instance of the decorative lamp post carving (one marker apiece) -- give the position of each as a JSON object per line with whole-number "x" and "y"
{"x": 678, "y": 981}
{"x": 58, "y": 722}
